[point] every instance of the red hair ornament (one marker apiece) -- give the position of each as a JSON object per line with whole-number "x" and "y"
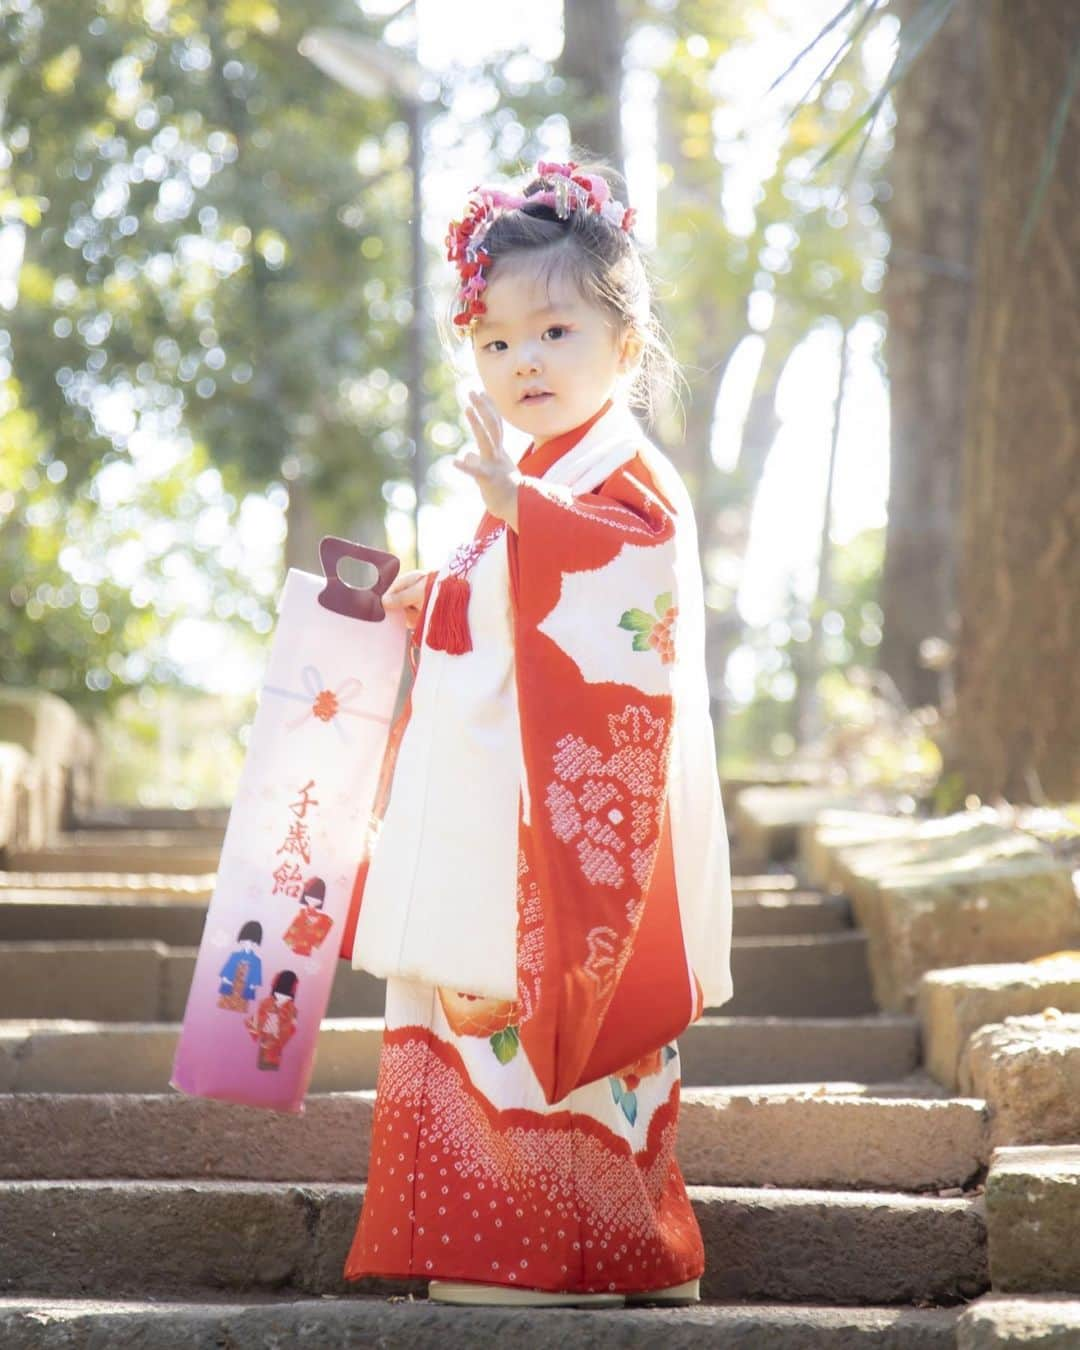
{"x": 570, "y": 191}
{"x": 448, "y": 625}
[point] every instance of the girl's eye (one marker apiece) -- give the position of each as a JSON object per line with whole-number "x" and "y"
{"x": 498, "y": 343}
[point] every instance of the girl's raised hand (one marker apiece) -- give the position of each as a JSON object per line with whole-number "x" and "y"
{"x": 495, "y": 472}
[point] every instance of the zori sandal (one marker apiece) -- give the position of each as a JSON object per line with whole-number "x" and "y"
{"x": 507, "y": 1296}
{"x": 690, "y": 1292}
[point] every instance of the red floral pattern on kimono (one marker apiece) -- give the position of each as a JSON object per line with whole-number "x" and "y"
{"x": 307, "y": 930}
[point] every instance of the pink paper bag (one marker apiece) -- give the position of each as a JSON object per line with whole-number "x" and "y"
{"x": 295, "y": 833}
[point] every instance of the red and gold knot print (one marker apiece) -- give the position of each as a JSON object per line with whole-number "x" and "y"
{"x": 326, "y": 705}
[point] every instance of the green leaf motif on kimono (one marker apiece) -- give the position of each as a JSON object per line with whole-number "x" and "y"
{"x": 637, "y": 621}
{"x": 669, "y": 1053}
{"x": 505, "y": 1044}
{"x": 616, "y": 1088}
{"x": 663, "y": 604}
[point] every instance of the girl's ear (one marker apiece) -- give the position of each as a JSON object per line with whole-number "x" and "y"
{"x": 630, "y": 350}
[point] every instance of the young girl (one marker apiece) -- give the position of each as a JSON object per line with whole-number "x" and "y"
{"x": 548, "y": 896}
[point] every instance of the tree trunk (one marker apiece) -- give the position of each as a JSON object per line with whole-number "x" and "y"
{"x": 1017, "y": 725}
{"x": 808, "y": 658}
{"x": 932, "y": 218}
{"x": 302, "y": 529}
{"x": 592, "y": 63}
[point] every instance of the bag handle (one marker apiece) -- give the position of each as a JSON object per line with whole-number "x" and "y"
{"x": 355, "y": 602}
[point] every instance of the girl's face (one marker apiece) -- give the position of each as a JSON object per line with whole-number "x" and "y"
{"x": 547, "y": 338}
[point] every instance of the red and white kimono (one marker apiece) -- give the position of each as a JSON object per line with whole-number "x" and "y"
{"x": 548, "y": 891}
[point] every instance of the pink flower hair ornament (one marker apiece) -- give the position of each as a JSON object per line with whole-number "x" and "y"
{"x": 570, "y": 191}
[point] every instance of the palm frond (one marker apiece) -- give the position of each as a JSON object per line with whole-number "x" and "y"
{"x": 1057, "y": 131}
{"x": 825, "y": 75}
{"x": 837, "y": 18}
{"x": 915, "y": 36}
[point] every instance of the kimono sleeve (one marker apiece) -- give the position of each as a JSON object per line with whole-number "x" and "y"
{"x": 385, "y": 782}
{"x": 592, "y": 583}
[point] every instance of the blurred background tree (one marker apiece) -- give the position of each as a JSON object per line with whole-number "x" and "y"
{"x": 204, "y": 348}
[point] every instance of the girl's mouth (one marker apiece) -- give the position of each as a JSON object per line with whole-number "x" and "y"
{"x": 536, "y": 398}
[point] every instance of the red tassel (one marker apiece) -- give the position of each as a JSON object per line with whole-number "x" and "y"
{"x": 448, "y": 626}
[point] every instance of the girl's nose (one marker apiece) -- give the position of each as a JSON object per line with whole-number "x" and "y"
{"x": 528, "y": 359}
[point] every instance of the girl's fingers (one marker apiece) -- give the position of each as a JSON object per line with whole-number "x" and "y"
{"x": 409, "y": 592}
{"x": 484, "y": 410}
{"x": 480, "y": 431}
{"x": 470, "y": 463}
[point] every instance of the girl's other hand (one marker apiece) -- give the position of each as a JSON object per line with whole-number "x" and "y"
{"x": 406, "y": 592}
{"x": 495, "y": 473}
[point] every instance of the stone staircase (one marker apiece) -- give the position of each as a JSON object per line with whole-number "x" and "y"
{"x": 839, "y": 1186}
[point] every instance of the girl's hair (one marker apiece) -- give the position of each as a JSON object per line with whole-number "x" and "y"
{"x": 604, "y": 264}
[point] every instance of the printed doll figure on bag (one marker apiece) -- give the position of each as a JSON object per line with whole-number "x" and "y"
{"x": 241, "y": 974}
{"x": 274, "y": 1022}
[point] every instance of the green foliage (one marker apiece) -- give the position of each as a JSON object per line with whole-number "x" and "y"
{"x": 174, "y": 747}
{"x": 214, "y": 307}
{"x": 207, "y": 282}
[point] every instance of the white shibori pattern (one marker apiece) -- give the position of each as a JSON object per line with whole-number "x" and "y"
{"x": 608, "y": 801}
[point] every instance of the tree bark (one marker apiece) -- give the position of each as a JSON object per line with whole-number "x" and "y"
{"x": 1017, "y": 724}
{"x": 592, "y": 64}
{"x": 932, "y": 218}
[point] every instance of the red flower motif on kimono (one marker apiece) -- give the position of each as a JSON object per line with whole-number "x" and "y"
{"x": 611, "y": 808}
{"x": 641, "y": 1068}
{"x": 624, "y": 1083}
{"x": 476, "y": 1014}
{"x": 654, "y": 631}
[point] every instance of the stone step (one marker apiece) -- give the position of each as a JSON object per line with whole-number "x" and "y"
{"x": 751, "y": 883}
{"x": 801, "y": 975}
{"x": 168, "y": 851}
{"x": 111, "y": 884}
{"x": 809, "y": 975}
{"x": 830, "y": 1136}
{"x": 77, "y": 1056}
{"x": 253, "y": 1323}
{"x": 181, "y": 1238}
{"x": 28, "y": 915}
{"x": 785, "y": 912}
{"x": 34, "y": 914}
{"x": 120, "y": 981}
{"x": 90, "y": 818}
